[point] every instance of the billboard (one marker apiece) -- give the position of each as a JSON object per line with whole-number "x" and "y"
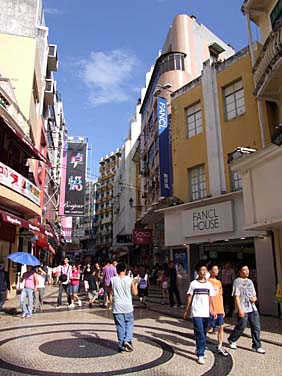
{"x": 72, "y": 193}
{"x": 164, "y": 149}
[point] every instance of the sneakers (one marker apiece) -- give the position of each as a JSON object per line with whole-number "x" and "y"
{"x": 79, "y": 303}
{"x": 128, "y": 346}
{"x": 71, "y": 305}
{"x": 201, "y": 360}
{"x": 232, "y": 345}
{"x": 221, "y": 351}
{"x": 59, "y": 306}
{"x": 28, "y": 316}
{"x": 23, "y": 315}
{"x": 259, "y": 350}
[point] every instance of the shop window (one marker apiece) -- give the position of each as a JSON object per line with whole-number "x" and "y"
{"x": 197, "y": 182}
{"x": 194, "y": 120}
{"x": 276, "y": 14}
{"x": 234, "y": 100}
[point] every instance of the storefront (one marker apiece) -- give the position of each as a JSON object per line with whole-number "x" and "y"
{"x": 213, "y": 228}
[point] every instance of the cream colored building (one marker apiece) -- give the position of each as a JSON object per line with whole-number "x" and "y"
{"x": 261, "y": 171}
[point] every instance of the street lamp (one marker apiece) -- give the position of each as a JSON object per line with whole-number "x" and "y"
{"x": 166, "y": 86}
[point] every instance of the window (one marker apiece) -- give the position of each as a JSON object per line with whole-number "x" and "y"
{"x": 276, "y": 14}
{"x": 194, "y": 120}
{"x": 197, "y": 179}
{"x": 236, "y": 181}
{"x": 234, "y": 100}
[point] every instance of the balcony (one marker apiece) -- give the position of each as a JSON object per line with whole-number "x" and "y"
{"x": 50, "y": 90}
{"x": 268, "y": 67}
{"x": 53, "y": 58}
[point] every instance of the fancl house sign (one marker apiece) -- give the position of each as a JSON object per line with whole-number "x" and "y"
{"x": 209, "y": 219}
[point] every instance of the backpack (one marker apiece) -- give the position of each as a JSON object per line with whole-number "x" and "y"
{"x": 142, "y": 283}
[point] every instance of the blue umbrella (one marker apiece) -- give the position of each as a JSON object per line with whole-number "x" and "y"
{"x": 24, "y": 258}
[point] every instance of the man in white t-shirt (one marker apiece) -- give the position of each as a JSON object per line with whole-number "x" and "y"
{"x": 123, "y": 287}
{"x": 199, "y": 299}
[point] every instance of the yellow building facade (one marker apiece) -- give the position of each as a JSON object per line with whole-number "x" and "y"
{"x": 214, "y": 118}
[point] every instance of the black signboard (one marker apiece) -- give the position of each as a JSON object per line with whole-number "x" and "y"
{"x": 124, "y": 238}
{"x": 75, "y": 179}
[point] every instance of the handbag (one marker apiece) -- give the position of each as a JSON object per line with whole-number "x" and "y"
{"x": 64, "y": 277}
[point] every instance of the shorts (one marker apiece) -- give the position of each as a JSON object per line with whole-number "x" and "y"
{"x": 74, "y": 289}
{"x": 219, "y": 320}
{"x": 142, "y": 292}
{"x": 92, "y": 294}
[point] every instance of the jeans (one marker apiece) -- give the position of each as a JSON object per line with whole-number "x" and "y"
{"x": 254, "y": 321}
{"x": 200, "y": 332}
{"x": 124, "y": 326}
{"x": 173, "y": 289}
{"x": 64, "y": 287}
{"x": 27, "y": 293}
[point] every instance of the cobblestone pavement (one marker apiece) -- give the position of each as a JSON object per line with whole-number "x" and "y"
{"x": 82, "y": 341}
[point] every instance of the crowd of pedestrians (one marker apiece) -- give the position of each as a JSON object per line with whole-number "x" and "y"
{"x": 208, "y": 299}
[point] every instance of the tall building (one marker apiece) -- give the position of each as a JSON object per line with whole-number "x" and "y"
{"x": 187, "y": 46}
{"x": 214, "y": 117}
{"x": 27, "y": 66}
{"x": 104, "y": 204}
{"x": 261, "y": 171}
{"x": 124, "y": 192}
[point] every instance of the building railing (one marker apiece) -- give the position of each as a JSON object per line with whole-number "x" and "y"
{"x": 11, "y": 109}
{"x": 270, "y": 54}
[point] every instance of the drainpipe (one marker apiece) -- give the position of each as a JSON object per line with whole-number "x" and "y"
{"x": 253, "y": 60}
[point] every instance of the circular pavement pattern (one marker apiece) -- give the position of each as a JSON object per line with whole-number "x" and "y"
{"x": 88, "y": 349}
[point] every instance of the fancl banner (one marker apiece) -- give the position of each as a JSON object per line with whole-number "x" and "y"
{"x": 73, "y": 179}
{"x": 164, "y": 149}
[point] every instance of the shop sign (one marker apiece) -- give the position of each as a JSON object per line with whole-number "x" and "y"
{"x": 211, "y": 219}
{"x": 142, "y": 236}
{"x": 124, "y": 238}
{"x": 18, "y": 183}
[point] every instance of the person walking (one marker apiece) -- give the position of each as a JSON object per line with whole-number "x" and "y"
{"x": 182, "y": 281}
{"x": 74, "y": 287}
{"x": 93, "y": 288}
{"x": 173, "y": 286}
{"x": 143, "y": 283}
{"x": 200, "y": 300}
{"x": 218, "y": 308}
{"x": 30, "y": 282}
{"x": 108, "y": 272}
{"x": 227, "y": 276}
{"x": 245, "y": 298}
{"x": 4, "y": 285}
{"x": 64, "y": 275}
{"x": 39, "y": 293}
{"x": 164, "y": 283}
{"x": 87, "y": 271}
{"x": 123, "y": 288}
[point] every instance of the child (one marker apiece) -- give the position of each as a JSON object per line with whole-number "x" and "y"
{"x": 199, "y": 298}
{"x": 218, "y": 306}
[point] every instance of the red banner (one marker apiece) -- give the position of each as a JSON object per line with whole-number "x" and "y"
{"x": 141, "y": 236}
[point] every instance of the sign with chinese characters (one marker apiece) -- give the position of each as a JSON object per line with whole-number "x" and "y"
{"x": 209, "y": 219}
{"x": 141, "y": 236}
{"x": 18, "y": 183}
{"x": 164, "y": 149}
{"x": 73, "y": 179}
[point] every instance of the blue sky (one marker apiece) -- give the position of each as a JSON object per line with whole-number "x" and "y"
{"x": 105, "y": 49}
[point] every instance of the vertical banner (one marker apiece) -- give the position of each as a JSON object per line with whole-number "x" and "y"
{"x": 164, "y": 149}
{"x": 73, "y": 179}
{"x": 66, "y": 223}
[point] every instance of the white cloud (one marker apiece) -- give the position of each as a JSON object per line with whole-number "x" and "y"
{"x": 108, "y": 76}
{"x": 53, "y": 11}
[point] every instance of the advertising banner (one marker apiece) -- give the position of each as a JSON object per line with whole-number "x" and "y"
{"x": 141, "y": 236}
{"x": 164, "y": 149}
{"x": 124, "y": 238}
{"x": 72, "y": 193}
{"x": 16, "y": 182}
{"x": 180, "y": 256}
{"x": 66, "y": 223}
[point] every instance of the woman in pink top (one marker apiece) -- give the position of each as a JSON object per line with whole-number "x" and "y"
{"x": 30, "y": 282}
{"x": 74, "y": 286}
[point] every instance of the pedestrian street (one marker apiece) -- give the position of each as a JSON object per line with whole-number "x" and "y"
{"x": 83, "y": 341}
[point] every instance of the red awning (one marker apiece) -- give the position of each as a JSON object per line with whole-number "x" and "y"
{"x": 26, "y": 144}
{"x": 12, "y": 219}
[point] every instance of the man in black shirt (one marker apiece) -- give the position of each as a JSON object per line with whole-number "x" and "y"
{"x": 172, "y": 286}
